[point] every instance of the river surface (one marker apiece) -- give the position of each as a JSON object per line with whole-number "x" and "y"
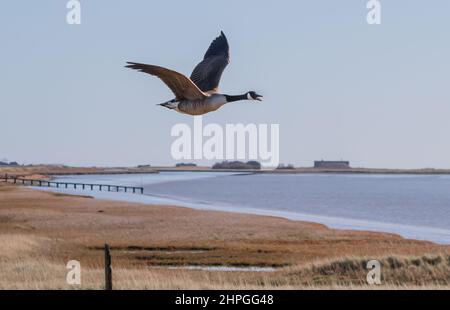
{"x": 414, "y": 206}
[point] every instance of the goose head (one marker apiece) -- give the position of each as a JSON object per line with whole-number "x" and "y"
{"x": 251, "y": 95}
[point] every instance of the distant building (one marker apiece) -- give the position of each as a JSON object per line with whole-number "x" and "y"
{"x": 340, "y": 164}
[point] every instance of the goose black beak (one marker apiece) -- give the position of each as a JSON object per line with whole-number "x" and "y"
{"x": 259, "y": 97}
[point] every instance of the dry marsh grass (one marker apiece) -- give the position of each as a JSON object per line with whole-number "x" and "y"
{"x": 41, "y": 231}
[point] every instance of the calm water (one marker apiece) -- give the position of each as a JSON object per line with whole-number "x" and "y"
{"x": 415, "y": 206}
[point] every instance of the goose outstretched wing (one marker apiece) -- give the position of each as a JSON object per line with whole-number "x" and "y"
{"x": 207, "y": 73}
{"x": 181, "y": 85}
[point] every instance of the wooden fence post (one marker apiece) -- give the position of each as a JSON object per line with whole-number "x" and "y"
{"x": 108, "y": 271}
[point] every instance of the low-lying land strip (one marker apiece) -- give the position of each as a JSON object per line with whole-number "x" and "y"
{"x": 156, "y": 246}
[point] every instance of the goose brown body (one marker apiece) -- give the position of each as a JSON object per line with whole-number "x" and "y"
{"x": 198, "y": 94}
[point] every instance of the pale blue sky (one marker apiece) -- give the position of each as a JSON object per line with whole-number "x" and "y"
{"x": 339, "y": 88}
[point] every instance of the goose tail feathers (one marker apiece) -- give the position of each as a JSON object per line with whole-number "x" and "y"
{"x": 171, "y": 104}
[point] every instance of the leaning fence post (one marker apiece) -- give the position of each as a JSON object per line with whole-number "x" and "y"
{"x": 108, "y": 271}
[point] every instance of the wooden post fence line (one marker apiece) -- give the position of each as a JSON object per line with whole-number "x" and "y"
{"x": 45, "y": 183}
{"x": 108, "y": 271}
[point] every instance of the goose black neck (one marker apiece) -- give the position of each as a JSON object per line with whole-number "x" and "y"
{"x": 236, "y": 98}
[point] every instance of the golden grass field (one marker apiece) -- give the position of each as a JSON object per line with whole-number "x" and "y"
{"x": 41, "y": 231}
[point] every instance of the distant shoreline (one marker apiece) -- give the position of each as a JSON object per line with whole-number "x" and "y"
{"x": 308, "y": 170}
{"x": 49, "y": 170}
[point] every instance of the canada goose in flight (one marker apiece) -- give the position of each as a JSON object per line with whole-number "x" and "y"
{"x": 198, "y": 94}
